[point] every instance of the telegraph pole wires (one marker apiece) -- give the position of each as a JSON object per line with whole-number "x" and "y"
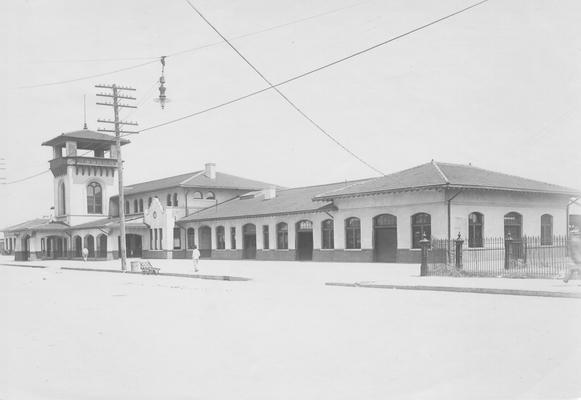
{"x": 116, "y": 95}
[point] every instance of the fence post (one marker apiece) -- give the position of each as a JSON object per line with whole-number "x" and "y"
{"x": 459, "y": 242}
{"x": 424, "y": 244}
{"x": 507, "y": 250}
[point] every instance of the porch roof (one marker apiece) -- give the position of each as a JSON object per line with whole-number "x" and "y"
{"x": 38, "y": 224}
{"x": 134, "y": 222}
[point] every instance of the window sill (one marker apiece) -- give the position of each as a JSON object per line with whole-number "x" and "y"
{"x": 352, "y": 249}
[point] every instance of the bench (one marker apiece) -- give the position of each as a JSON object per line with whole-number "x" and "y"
{"x": 147, "y": 268}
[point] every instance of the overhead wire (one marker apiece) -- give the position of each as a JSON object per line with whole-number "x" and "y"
{"x": 288, "y": 100}
{"x": 181, "y": 52}
{"x": 304, "y": 74}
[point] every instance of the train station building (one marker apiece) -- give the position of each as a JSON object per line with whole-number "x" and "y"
{"x": 230, "y": 217}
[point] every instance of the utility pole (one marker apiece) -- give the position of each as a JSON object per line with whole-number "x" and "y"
{"x": 116, "y": 95}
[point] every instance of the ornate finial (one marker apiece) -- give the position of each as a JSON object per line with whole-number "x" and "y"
{"x": 85, "y": 111}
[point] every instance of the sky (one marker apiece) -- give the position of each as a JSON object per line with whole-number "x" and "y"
{"x": 498, "y": 86}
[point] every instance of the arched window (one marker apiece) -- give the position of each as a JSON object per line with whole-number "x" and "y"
{"x": 421, "y": 225}
{"x": 127, "y": 207}
{"x": 62, "y": 199}
{"x": 513, "y": 225}
{"x": 197, "y": 195}
{"x": 191, "y": 238}
{"x": 546, "y": 230}
{"x": 352, "y": 233}
{"x": 94, "y": 198}
{"x": 140, "y": 205}
{"x": 475, "y": 221}
{"x": 328, "y": 234}
{"x": 210, "y": 196}
{"x": 175, "y": 199}
{"x": 168, "y": 200}
{"x": 135, "y": 206}
{"x": 220, "y": 238}
{"x": 149, "y": 202}
{"x": 282, "y": 236}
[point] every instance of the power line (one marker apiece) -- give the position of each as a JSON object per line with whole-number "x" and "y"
{"x": 181, "y": 52}
{"x": 289, "y": 101}
{"x": 294, "y": 78}
{"x": 26, "y": 178}
{"x": 88, "y": 76}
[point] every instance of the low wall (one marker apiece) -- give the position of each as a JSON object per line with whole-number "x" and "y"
{"x": 276, "y": 255}
{"x": 227, "y": 254}
{"x": 342, "y": 255}
{"x": 157, "y": 254}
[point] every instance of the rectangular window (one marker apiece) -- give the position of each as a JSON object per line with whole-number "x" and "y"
{"x": 265, "y": 237}
{"x": 328, "y": 241}
{"x": 233, "y": 237}
{"x": 177, "y": 238}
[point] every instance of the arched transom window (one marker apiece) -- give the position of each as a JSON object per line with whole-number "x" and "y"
{"x": 475, "y": 221}
{"x": 352, "y": 233}
{"x": 94, "y": 198}
{"x": 421, "y": 225}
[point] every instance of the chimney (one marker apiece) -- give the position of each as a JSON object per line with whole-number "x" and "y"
{"x": 210, "y": 170}
{"x": 270, "y": 193}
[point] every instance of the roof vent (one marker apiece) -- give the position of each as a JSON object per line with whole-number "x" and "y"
{"x": 270, "y": 193}
{"x": 210, "y": 171}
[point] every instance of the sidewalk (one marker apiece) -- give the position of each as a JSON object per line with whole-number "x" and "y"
{"x": 355, "y": 275}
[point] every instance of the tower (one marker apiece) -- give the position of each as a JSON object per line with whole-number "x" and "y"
{"x": 84, "y": 168}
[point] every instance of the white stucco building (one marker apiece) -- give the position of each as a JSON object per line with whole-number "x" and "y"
{"x": 229, "y": 217}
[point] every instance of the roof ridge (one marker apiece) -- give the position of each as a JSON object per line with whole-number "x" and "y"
{"x": 376, "y": 178}
{"x": 161, "y": 179}
{"x": 194, "y": 175}
{"x": 442, "y": 174}
{"x": 505, "y": 174}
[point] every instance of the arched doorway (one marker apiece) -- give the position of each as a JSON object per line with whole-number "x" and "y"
{"x": 513, "y": 229}
{"x": 90, "y": 245}
{"x": 304, "y": 240}
{"x": 205, "y": 241}
{"x": 78, "y": 243}
{"x": 249, "y": 241}
{"x": 102, "y": 246}
{"x": 385, "y": 238}
{"x": 134, "y": 245}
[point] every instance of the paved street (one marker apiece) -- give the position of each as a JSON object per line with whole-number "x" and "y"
{"x": 283, "y": 335}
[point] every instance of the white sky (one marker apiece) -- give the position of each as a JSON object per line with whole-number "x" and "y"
{"x": 498, "y": 86}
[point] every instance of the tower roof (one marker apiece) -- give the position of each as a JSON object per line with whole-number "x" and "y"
{"x": 85, "y": 138}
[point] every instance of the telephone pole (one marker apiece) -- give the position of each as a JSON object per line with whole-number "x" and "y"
{"x": 115, "y": 95}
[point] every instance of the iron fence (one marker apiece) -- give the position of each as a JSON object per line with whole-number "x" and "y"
{"x": 529, "y": 257}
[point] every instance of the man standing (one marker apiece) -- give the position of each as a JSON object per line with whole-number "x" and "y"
{"x": 196, "y": 257}
{"x": 575, "y": 254}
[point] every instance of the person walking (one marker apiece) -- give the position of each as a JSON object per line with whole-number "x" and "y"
{"x": 575, "y": 254}
{"x": 196, "y": 258}
{"x": 85, "y": 253}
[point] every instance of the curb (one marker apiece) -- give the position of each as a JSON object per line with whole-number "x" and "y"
{"x": 209, "y": 277}
{"x": 23, "y": 265}
{"x": 513, "y": 292}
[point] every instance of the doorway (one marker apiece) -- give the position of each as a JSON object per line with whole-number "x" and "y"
{"x": 133, "y": 243}
{"x": 304, "y": 240}
{"x": 249, "y": 241}
{"x": 385, "y": 238}
{"x": 205, "y": 241}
